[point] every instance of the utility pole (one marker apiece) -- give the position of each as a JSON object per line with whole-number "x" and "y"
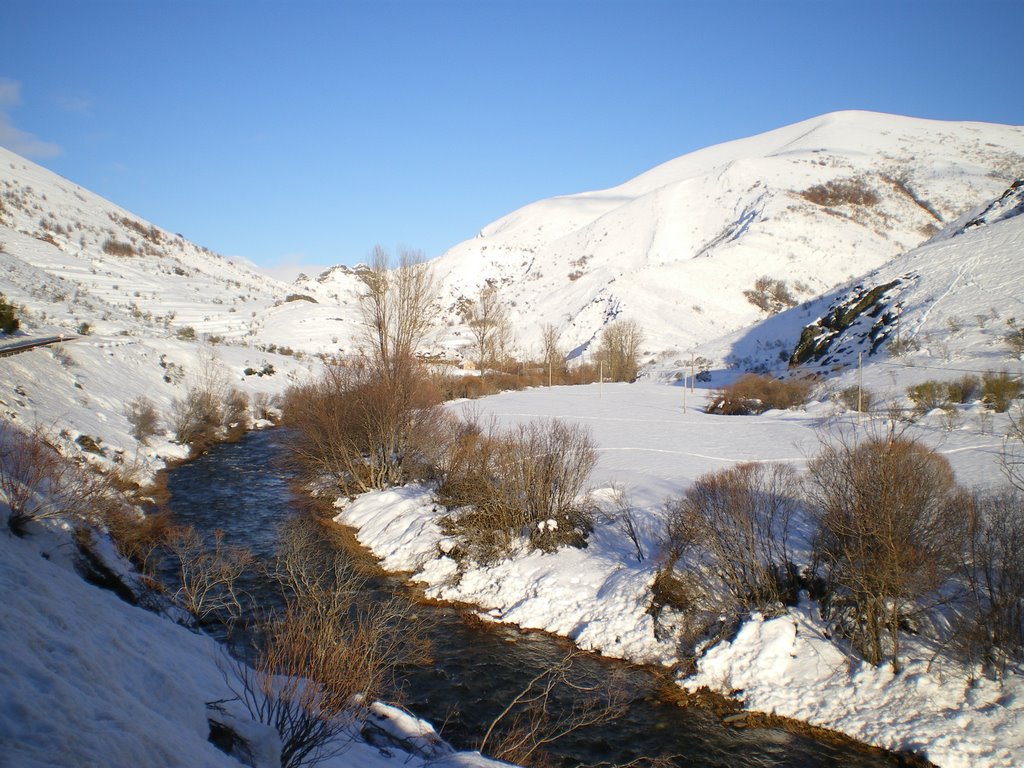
{"x": 860, "y": 385}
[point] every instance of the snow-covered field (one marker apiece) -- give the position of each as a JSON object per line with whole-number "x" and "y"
{"x": 599, "y": 596}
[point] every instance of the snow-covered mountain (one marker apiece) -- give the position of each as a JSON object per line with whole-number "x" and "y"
{"x": 677, "y": 248}
{"x": 812, "y": 204}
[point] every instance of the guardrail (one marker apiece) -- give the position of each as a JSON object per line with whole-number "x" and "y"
{"x": 16, "y": 348}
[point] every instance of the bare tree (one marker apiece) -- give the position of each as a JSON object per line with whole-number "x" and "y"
{"x": 396, "y": 310}
{"x": 619, "y": 351}
{"x": 554, "y": 357}
{"x": 1012, "y": 457}
{"x": 365, "y": 421}
{"x": 526, "y": 725}
{"x": 890, "y": 527}
{"x": 488, "y": 321}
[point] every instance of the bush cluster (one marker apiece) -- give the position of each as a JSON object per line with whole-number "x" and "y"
{"x": 755, "y": 393}
{"x": 841, "y": 192}
{"x": 526, "y": 482}
{"x": 995, "y": 390}
{"x": 895, "y": 542}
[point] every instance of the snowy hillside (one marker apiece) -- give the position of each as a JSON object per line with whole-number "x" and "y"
{"x": 938, "y": 311}
{"x": 812, "y": 204}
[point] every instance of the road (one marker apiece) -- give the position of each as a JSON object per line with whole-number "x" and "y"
{"x": 17, "y": 347}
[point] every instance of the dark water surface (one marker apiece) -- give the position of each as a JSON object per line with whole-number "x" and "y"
{"x": 476, "y": 669}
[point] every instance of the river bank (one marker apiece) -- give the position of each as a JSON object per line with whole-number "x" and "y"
{"x": 479, "y": 664}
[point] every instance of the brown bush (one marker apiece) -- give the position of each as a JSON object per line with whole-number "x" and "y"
{"x": 770, "y": 295}
{"x": 143, "y": 417}
{"x": 139, "y": 537}
{"x": 38, "y": 483}
{"x": 928, "y": 395}
{"x": 753, "y": 393}
{"x": 325, "y": 654}
{"x": 118, "y": 248}
{"x": 993, "y": 633}
{"x": 999, "y": 390}
{"x": 362, "y": 428}
{"x": 857, "y": 398}
{"x": 890, "y": 526}
{"x": 841, "y": 192}
{"x": 523, "y": 482}
{"x": 963, "y": 390}
{"x": 727, "y": 545}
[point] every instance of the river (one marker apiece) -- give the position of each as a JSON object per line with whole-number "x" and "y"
{"x": 245, "y": 490}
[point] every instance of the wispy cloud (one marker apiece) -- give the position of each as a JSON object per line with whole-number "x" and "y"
{"x": 12, "y": 137}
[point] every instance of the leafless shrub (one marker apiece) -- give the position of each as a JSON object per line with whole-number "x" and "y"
{"x": 899, "y": 347}
{"x": 838, "y": 192}
{"x": 1011, "y": 459}
{"x": 527, "y": 481}
{"x": 143, "y": 417}
{"x": 622, "y": 516}
{"x": 139, "y": 537}
{"x": 857, "y": 398}
{"x": 209, "y": 406}
{"x": 993, "y": 632}
{"x": 118, "y": 248}
{"x": 963, "y": 390}
{"x": 770, "y": 295}
{"x": 363, "y": 428}
{"x": 527, "y": 725}
{"x": 206, "y": 574}
{"x": 753, "y": 393}
{"x": 265, "y": 407}
{"x": 928, "y": 395}
{"x": 727, "y": 544}
{"x": 999, "y": 390}
{"x": 38, "y": 483}
{"x": 1014, "y": 339}
{"x": 325, "y": 655}
{"x": 890, "y": 523}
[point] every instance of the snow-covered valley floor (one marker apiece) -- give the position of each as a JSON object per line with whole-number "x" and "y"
{"x": 599, "y": 596}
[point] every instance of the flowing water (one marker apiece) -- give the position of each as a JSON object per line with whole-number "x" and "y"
{"x": 244, "y": 490}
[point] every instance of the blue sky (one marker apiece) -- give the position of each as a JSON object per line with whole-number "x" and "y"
{"x": 306, "y": 132}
